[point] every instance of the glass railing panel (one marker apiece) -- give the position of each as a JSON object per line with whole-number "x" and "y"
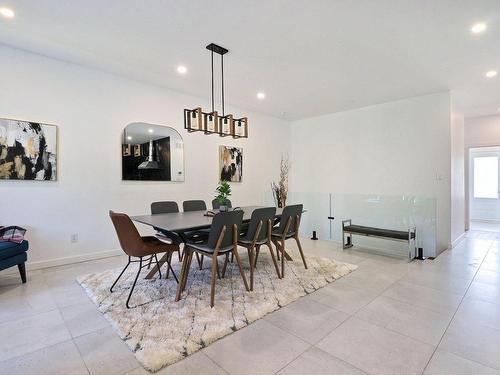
{"x": 316, "y": 211}
{"x": 397, "y": 212}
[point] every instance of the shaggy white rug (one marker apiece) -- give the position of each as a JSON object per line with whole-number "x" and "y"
{"x": 161, "y": 331}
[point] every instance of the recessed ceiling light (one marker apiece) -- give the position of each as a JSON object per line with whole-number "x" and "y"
{"x": 150, "y": 130}
{"x": 7, "y": 12}
{"x": 181, "y": 69}
{"x": 491, "y": 74}
{"x": 129, "y": 138}
{"x": 478, "y": 28}
{"x": 261, "y": 95}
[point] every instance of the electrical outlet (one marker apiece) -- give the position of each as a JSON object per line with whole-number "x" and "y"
{"x": 74, "y": 238}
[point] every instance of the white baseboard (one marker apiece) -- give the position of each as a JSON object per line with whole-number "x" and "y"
{"x": 32, "y": 266}
{"x": 489, "y": 221}
{"x": 457, "y": 240}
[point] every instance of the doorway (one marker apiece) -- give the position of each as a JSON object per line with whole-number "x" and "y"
{"x": 484, "y": 188}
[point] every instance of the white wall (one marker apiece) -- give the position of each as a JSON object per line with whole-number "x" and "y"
{"x": 396, "y": 148}
{"x": 479, "y": 131}
{"x": 457, "y": 168}
{"x": 482, "y": 131}
{"x": 91, "y": 108}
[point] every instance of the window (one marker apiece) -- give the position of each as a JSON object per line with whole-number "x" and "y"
{"x": 486, "y": 177}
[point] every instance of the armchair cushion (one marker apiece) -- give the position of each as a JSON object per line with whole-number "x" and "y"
{"x": 11, "y": 249}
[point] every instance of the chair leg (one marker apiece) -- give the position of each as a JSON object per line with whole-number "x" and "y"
{"x": 276, "y": 243}
{"x": 274, "y": 260}
{"x": 179, "y": 254}
{"x": 169, "y": 268}
{"x": 251, "y": 260}
{"x": 135, "y": 281}
{"x": 257, "y": 250}
{"x": 238, "y": 260}
{"x": 22, "y": 271}
{"x": 217, "y": 267}
{"x": 301, "y": 252}
{"x": 150, "y": 260}
{"x": 282, "y": 246}
{"x": 157, "y": 265}
{"x": 200, "y": 260}
{"x": 226, "y": 261}
{"x": 190, "y": 260}
{"x": 169, "y": 259}
{"x": 183, "y": 274}
{"x": 120, "y": 275}
{"x": 214, "y": 275}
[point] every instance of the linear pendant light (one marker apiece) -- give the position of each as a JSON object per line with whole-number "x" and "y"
{"x": 214, "y": 122}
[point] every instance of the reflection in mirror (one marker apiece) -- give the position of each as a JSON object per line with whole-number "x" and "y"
{"x": 152, "y": 153}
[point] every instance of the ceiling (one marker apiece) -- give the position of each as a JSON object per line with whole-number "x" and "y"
{"x": 310, "y": 57}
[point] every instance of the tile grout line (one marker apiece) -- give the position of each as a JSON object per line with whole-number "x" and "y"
{"x": 458, "y": 307}
{"x": 74, "y": 343}
{"x": 350, "y": 315}
{"x": 281, "y": 329}
{"x": 328, "y": 354}
{"x": 210, "y": 359}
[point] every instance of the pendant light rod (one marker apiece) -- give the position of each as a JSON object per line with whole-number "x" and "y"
{"x": 212, "y": 64}
{"x": 220, "y": 51}
{"x": 222, "y": 70}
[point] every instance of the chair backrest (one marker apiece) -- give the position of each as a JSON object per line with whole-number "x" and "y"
{"x": 294, "y": 212}
{"x": 227, "y": 219}
{"x": 128, "y": 235}
{"x": 194, "y": 205}
{"x": 216, "y": 205}
{"x": 260, "y": 215}
{"x": 164, "y": 207}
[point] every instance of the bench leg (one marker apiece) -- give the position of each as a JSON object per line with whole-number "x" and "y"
{"x": 346, "y": 244}
{"x": 22, "y": 271}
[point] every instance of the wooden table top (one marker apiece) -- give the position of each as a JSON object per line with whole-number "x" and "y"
{"x": 186, "y": 221}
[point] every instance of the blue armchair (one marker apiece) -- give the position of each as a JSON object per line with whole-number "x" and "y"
{"x": 12, "y": 254}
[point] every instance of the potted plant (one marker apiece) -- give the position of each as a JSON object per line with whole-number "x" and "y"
{"x": 223, "y": 192}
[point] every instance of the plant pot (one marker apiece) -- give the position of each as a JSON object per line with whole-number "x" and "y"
{"x": 223, "y": 208}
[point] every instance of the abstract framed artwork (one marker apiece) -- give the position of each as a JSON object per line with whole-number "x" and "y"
{"x": 28, "y": 150}
{"x": 230, "y": 163}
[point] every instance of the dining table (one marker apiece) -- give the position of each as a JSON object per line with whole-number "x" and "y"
{"x": 184, "y": 222}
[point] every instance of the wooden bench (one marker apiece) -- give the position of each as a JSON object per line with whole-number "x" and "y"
{"x": 388, "y": 234}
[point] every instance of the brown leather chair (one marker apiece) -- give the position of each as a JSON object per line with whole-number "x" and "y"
{"x": 136, "y": 246}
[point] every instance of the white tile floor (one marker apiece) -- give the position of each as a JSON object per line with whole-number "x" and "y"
{"x": 388, "y": 317}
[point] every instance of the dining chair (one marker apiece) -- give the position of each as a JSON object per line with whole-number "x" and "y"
{"x": 222, "y": 240}
{"x": 197, "y": 235}
{"x": 194, "y": 205}
{"x": 288, "y": 228}
{"x": 136, "y": 246}
{"x": 216, "y": 204}
{"x": 258, "y": 234}
{"x": 166, "y": 207}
